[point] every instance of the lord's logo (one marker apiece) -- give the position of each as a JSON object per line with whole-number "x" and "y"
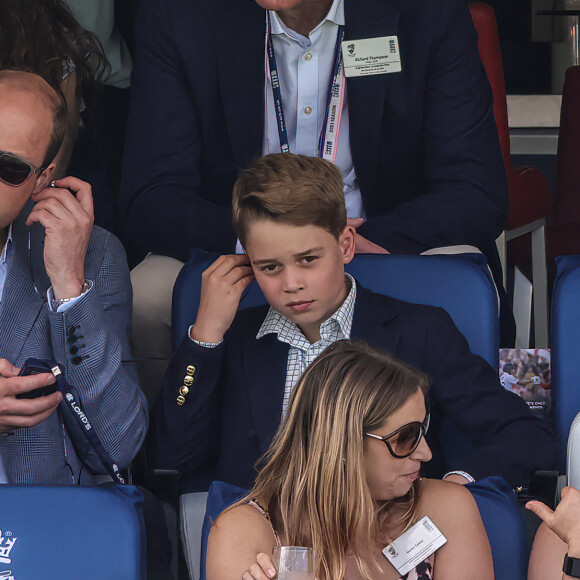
{"x": 7, "y": 541}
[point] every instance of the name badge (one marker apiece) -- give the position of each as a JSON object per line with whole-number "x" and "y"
{"x": 414, "y": 546}
{"x": 371, "y": 56}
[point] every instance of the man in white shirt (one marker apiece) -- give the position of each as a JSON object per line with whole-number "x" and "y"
{"x": 417, "y": 147}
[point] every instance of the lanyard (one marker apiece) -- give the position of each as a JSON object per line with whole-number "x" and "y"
{"x": 82, "y": 420}
{"x": 328, "y": 140}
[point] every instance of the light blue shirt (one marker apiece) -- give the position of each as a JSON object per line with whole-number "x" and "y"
{"x": 305, "y": 67}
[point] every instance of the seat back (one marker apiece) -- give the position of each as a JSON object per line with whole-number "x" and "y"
{"x": 529, "y": 192}
{"x": 461, "y": 284}
{"x": 565, "y": 341}
{"x": 495, "y": 499}
{"x": 72, "y": 532}
{"x": 490, "y": 54}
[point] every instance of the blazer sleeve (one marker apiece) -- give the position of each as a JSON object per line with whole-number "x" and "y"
{"x": 464, "y": 197}
{"x": 92, "y": 336}
{"x": 508, "y": 439}
{"x": 186, "y": 437}
{"x": 161, "y": 198}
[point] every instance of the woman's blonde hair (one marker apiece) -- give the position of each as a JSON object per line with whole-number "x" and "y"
{"x": 313, "y": 474}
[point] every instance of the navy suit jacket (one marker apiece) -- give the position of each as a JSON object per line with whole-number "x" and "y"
{"x": 424, "y": 141}
{"x": 90, "y": 339}
{"x": 234, "y": 405}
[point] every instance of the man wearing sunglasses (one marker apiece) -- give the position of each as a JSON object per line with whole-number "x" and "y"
{"x": 65, "y": 296}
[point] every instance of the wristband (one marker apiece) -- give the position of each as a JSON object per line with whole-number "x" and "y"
{"x": 571, "y": 566}
{"x": 464, "y": 474}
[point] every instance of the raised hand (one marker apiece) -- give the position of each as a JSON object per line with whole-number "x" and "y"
{"x": 67, "y": 219}
{"x": 222, "y": 286}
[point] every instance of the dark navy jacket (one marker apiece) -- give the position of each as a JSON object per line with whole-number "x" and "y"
{"x": 235, "y": 402}
{"x": 424, "y": 141}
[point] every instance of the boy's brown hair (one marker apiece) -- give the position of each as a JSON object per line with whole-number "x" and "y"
{"x": 290, "y": 189}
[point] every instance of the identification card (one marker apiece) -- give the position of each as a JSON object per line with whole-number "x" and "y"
{"x": 371, "y": 56}
{"x": 414, "y": 546}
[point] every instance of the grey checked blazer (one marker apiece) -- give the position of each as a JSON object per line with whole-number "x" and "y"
{"x": 90, "y": 339}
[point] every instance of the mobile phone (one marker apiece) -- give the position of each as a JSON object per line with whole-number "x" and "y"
{"x": 34, "y": 366}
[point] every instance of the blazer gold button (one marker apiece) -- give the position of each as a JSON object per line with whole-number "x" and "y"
{"x": 183, "y": 391}
{"x": 187, "y": 380}
{"x": 190, "y": 370}
{"x": 180, "y": 400}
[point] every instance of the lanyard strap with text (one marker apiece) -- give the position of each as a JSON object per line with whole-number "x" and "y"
{"x": 82, "y": 420}
{"x": 328, "y": 140}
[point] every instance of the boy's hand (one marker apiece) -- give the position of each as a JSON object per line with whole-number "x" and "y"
{"x": 222, "y": 285}
{"x": 361, "y": 244}
{"x": 17, "y": 413}
{"x": 68, "y": 221}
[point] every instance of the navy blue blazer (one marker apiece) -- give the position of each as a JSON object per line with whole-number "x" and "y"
{"x": 424, "y": 141}
{"x": 235, "y": 403}
{"x": 90, "y": 340}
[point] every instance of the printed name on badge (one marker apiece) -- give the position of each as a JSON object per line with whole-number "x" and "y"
{"x": 371, "y": 56}
{"x": 414, "y": 546}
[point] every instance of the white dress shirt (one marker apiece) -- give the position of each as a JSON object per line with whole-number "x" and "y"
{"x": 305, "y": 67}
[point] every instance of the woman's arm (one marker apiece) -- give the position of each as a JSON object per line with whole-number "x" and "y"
{"x": 239, "y": 546}
{"x": 467, "y": 553}
{"x": 557, "y": 536}
{"x": 547, "y": 556}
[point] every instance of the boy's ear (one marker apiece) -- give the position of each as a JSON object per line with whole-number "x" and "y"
{"x": 346, "y": 241}
{"x": 44, "y": 178}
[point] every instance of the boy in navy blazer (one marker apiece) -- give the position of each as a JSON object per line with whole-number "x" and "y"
{"x": 230, "y": 379}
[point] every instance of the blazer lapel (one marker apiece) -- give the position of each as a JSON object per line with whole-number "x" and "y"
{"x": 265, "y": 362}
{"x": 367, "y": 95}
{"x": 21, "y": 302}
{"x": 240, "y": 53}
{"x": 371, "y": 321}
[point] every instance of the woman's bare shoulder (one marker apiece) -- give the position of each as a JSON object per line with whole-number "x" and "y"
{"x": 445, "y": 500}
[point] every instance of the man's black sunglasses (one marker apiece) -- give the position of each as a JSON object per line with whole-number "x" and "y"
{"x": 403, "y": 442}
{"x": 15, "y": 170}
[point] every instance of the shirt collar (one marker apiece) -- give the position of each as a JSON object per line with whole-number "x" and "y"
{"x": 335, "y": 15}
{"x": 283, "y": 327}
{"x": 4, "y": 256}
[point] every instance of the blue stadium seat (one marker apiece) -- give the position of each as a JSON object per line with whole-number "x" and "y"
{"x": 565, "y": 343}
{"x": 62, "y": 532}
{"x": 497, "y": 505}
{"x": 461, "y": 284}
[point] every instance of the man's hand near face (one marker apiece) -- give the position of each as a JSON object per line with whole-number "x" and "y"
{"x": 17, "y": 413}
{"x": 222, "y": 286}
{"x": 67, "y": 220}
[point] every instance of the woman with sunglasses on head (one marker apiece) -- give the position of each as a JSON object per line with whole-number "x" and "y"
{"x": 42, "y": 36}
{"x": 342, "y": 475}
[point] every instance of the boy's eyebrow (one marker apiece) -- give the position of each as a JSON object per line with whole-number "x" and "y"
{"x": 307, "y": 252}
{"x": 296, "y": 256}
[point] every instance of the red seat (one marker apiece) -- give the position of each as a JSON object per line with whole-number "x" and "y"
{"x": 529, "y": 192}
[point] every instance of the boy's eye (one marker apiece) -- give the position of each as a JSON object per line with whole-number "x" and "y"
{"x": 309, "y": 259}
{"x": 269, "y": 268}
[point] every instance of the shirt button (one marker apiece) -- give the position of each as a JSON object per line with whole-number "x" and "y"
{"x": 308, "y": 56}
{"x": 307, "y": 110}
